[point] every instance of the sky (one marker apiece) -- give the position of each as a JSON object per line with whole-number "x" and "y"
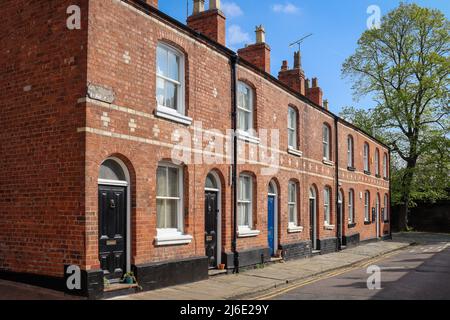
{"x": 336, "y": 26}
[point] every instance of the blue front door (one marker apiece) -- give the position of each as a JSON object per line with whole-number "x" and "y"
{"x": 271, "y": 224}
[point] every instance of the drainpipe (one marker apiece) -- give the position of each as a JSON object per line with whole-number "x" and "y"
{"x": 388, "y": 165}
{"x": 234, "y": 60}
{"x": 338, "y": 212}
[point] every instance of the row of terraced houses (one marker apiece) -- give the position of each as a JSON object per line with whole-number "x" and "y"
{"x": 135, "y": 143}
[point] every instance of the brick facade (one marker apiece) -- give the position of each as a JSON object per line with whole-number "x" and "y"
{"x": 57, "y": 129}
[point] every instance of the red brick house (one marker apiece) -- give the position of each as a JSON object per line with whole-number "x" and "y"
{"x": 90, "y": 120}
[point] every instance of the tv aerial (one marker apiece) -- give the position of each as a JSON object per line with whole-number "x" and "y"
{"x": 300, "y": 41}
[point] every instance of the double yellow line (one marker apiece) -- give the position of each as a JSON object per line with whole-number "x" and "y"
{"x": 324, "y": 276}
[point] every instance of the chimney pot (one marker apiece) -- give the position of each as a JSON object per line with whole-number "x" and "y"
{"x": 214, "y": 4}
{"x": 325, "y": 104}
{"x": 297, "y": 60}
{"x": 285, "y": 66}
{"x": 199, "y": 6}
{"x": 315, "y": 93}
{"x": 210, "y": 23}
{"x": 258, "y": 53}
{"x": 307, "y": 84}
{"x": 260, "y": 34}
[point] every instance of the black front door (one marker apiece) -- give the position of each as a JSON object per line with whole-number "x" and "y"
{"x": 112, "y": 230}
{"x": 312, "y": 217}
{"x": 211, "y": 211}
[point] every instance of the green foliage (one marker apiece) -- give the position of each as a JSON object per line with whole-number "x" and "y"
{"x": 405, "y": 67}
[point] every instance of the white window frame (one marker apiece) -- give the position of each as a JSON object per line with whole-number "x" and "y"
{"x": 377, "y": 162}
{"x": 385, "y": 173}
{"x": 327, "y": 206}
{"x": 241, "y": 109}
{"x": 294, "y": 130}
{"x": 294, "y": 203}
{"x": 172, "y": 236}
{"x": 351, "y": 206}
{"x": 350, "y": 163}
{"x": 178, "y": 114}
{"x": 246, "y": 230}
{"x": 366, "y": 152}
{"x": 367, "y": 206}
{"x": 326, "y": 142}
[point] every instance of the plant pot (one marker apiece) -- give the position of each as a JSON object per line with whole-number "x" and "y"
{"x": 221, "y": 266}
{"x": 128, "y": 280}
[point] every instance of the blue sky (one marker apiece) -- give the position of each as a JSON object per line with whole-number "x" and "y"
{"x": 336, "y": 26}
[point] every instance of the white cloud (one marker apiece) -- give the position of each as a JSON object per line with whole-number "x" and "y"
{"x": 231, "y": 9}
{"x": 235, "y": 35}
{"x": 288, "y": 8}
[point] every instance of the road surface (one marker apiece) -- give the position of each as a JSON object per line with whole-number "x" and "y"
{"x": 418, "y": 272}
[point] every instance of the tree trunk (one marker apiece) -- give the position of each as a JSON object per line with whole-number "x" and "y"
{"x": 403, "y": 218}
{"x": 406, "y": 193}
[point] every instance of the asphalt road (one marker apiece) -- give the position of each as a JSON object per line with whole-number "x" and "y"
{"x": 418, "y": 272}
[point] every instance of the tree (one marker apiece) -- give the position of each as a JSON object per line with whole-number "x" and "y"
{"x": 404, "y": 66}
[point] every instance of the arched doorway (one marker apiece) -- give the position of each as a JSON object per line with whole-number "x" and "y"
{"x": 272, "y": 218}
{"x": 313, "y": 217}
{"x": 213, "y": 220}
{"x": 114, "y": 219}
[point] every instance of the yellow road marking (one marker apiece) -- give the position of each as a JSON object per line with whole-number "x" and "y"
{"x": 328, "y": 275}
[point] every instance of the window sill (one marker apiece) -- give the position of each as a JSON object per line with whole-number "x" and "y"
{"x": 172, "y": 239}
{"x": 172, "y": 115}
{"x": 351, "y": 169}
{"x": 295, "y": 229}
{"x": 328, "y": 162}
{"x": 248, "y": 233}
{"x": 367, "y": 222}
{"x": 351, "y": 225}
{"x": 295, "y": 152}
{"x": 328, "y": 227}
{"x": 244, "y": 136}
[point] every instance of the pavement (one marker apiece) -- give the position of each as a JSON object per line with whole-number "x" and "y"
{"x": 10, "y": 290}
{"x": 273, "y": 278}
{"x": 253, "y": 283}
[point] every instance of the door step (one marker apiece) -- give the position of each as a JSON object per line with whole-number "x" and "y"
{"x": 216, "y": 272}
{"x": 315, "y": 253}
{"x": 119, "y": 286}
{"x": 275, "y": 259}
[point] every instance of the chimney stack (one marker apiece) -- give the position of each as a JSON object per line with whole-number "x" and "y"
{"x": 315, "y": 93}
{"x": 153, "y": 3}
{"x": 293, "y": 78}
{"x": 257, "y": 54}
{"x": 211, "y": 22}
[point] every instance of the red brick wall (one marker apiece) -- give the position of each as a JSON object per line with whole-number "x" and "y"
{"x": 52, "y": 201}
{"x": 257, "y": 54}
{"x": 360, "y": 182}
{"x": 42, "y": 74}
